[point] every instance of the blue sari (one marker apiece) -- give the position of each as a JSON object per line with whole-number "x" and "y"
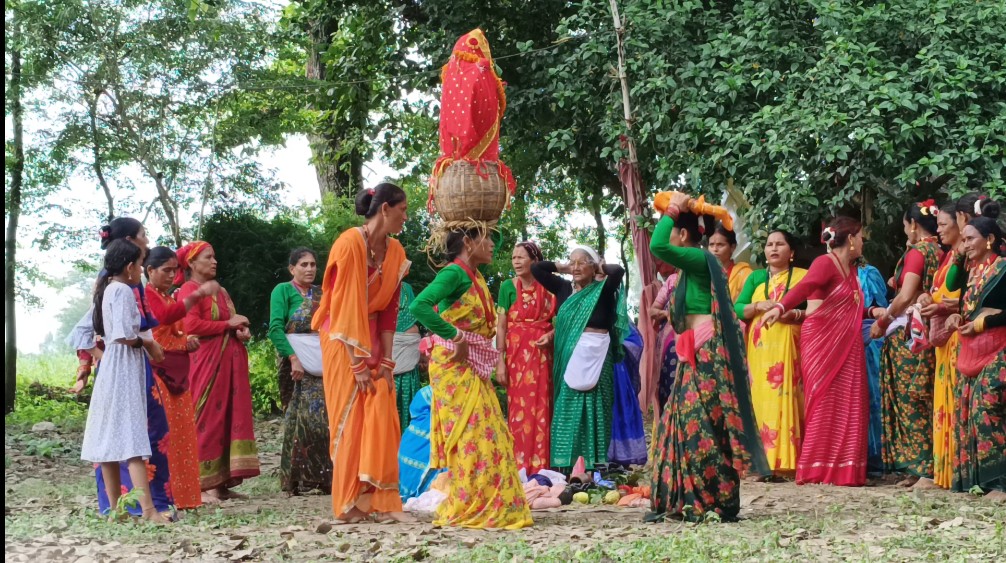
{"x": 874, "y": 295}
{"x": 414, "y": 471}
{"x": 157, "y": 430}
{"x": 628, "y": 441}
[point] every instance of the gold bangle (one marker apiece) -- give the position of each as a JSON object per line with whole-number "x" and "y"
{"x": 979, "y": 325}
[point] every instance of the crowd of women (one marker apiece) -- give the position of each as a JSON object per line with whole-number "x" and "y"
{"x": 777, "y": 372}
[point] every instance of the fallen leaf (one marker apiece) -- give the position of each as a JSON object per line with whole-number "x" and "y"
{"x": 956, "y": 522}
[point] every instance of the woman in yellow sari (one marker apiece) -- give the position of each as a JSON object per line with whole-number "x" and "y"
{"x": 356, "y": 319}
{"x": 722, "y": 245}
{"x": 773, "y": 354}
{"x": 468, "y": 433}
{"x": 937, "y": 305}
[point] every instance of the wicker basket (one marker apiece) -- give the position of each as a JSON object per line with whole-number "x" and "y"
{"x": 461, "y": 194}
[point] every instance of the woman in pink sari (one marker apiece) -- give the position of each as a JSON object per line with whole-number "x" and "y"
{"x": 836, "y": 402}
{"x": 218, "y": 379}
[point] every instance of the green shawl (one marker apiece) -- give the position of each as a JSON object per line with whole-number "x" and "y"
{"x": 728, "y": 331}
{"x": 571, "y": 321}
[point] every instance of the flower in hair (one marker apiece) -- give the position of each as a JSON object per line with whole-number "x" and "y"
{"x": 928, "y": 207}
{"x": 104, "y": 234}
{"x": 978, "y": 205}
{"x": 827, "y": 235}
{"x": 370, "y": 191}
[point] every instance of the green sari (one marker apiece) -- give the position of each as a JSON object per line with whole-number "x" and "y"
{"x": 980, "y": 459}
{"x": 581, "y": 420}
{"x": 906, "y": 384}
{"x": 407, "y": 384}
{"x": 707, "y": 435}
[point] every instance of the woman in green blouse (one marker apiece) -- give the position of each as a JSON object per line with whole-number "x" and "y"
{"x": 468, "y": 433}
{"x": 707, "y": 433}
{"x": 406, "y": 356}
{"x": 304, "y": 462}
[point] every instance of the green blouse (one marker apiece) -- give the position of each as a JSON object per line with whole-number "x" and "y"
{"x": 692, "y": 261}
{"x": 747, "y": 297}
{"x": 285, "y": 306}
{"x": 450, "y": 284}
{"x": 507, "y": 296}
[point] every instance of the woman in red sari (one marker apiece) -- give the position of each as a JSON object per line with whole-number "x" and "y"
{"x": 836, "y": 398}
{"x": 218, "y": 380}
{"x": 172, "y": 373}
{"x": 525, "y": 332}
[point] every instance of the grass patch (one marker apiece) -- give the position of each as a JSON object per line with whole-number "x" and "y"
{"x": 43, "y": 393}
{"x": 37, "y": 402}
{"x": 54, "y": 370}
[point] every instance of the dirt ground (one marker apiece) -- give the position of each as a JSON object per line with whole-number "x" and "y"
{"x": 49, "y": 515}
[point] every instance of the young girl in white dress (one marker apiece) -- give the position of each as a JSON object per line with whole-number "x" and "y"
{"x": 116, "y": 428}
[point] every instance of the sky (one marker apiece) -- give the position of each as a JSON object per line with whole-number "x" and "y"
{"x": 291, "y": 165}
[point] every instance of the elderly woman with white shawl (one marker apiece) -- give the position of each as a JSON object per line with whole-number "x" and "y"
{"x": 586, "y": 349}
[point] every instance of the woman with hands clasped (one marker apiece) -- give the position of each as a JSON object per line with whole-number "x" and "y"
{"x": 356, "y": 320}
{"x": 218, "y": 379}
{"x": 774, "y": 354}
{"x": 936, "y": 305}
{"x": 524, "y": 335}
{"x": 980, "y": 459}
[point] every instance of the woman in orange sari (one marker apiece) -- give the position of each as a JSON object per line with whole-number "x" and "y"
{"x": 218, "y": 379}
{"x": 357, "y": 317}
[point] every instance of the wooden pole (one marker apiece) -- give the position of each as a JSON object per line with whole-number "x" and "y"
{"x": 623, "y": 79}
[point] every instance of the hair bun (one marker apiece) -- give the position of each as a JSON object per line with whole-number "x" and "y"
{"x": 105, "y": 235}
{"x": 364, "y": 199}
{"x": 990, "y": 208}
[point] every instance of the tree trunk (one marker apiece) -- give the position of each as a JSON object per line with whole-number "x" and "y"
{"x": 595, "y": 209}
{"x": 339, "y": 173}
{"x": 96, "y": 155}
{"x": 168, "y": 206}
{"x": 13, "y": 215}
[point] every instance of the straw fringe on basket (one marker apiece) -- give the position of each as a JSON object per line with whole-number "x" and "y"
{"x": 436, "y": 248}
{"x": 470, "y": 192}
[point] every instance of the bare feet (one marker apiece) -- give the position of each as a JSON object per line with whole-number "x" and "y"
{"x": 154, "y": 517}
{"x": 220, "y": 494}
{"x": 399, "y": 517}
{"x": 354, "y": 516}
{"x": 925, "y": 484}
{"x": 996, "y": 496}
{"x": 908, "y": 481}
{"x": 227, "y": 494}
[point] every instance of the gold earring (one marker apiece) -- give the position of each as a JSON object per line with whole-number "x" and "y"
{"x": 988, "y": 245}
{"x": 790, "y": 259}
